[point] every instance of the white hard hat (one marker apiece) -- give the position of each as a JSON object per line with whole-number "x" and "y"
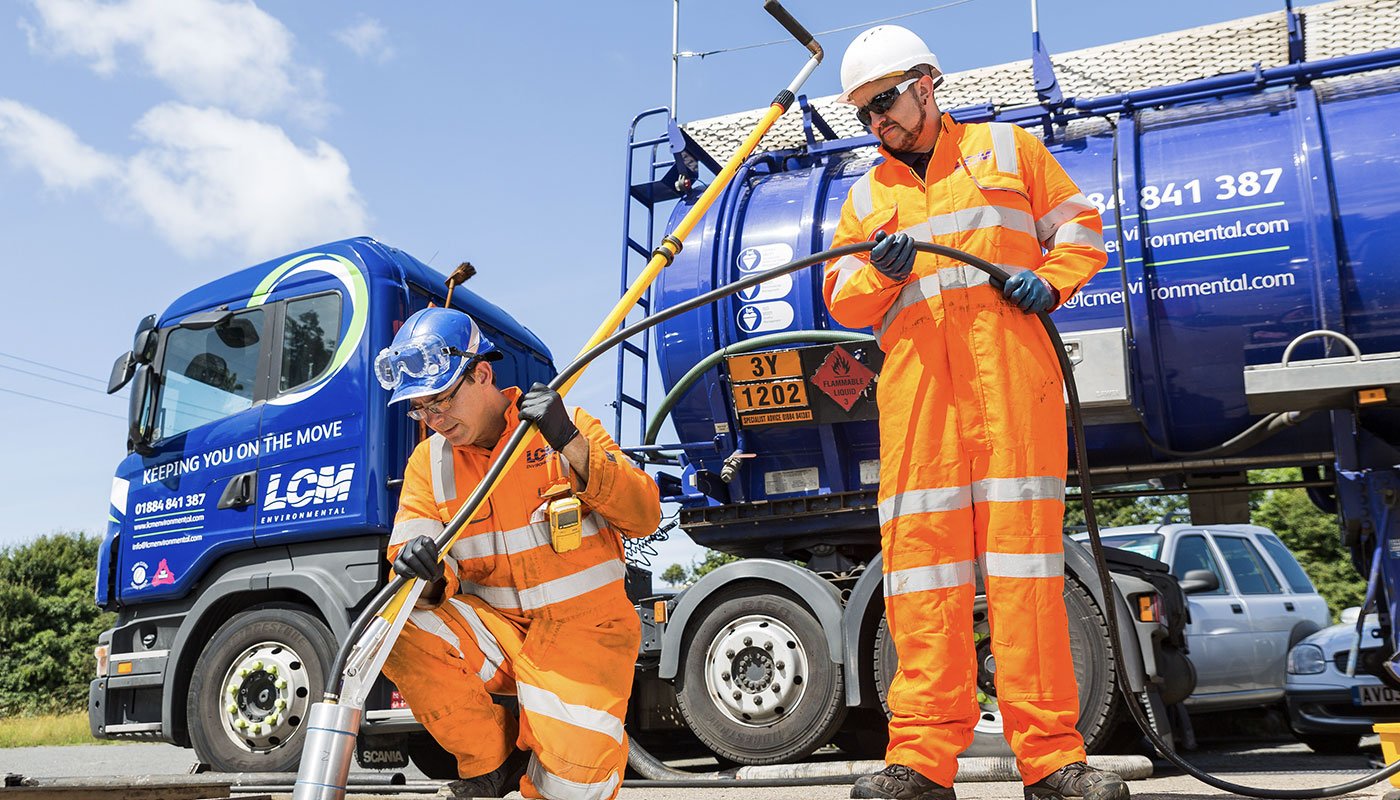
{"x": 882, "y": 50}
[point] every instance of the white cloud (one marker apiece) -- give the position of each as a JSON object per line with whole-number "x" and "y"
{"x": 222, "y": 52}
{"x": 367, "y": 39}
{"x": 209, "y": 179}
{"x": 206, "y": 180}
{"x": 51, "y": 148}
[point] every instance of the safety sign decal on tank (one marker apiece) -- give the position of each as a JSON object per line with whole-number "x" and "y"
{"x": 353, "y": 324}
{"x": 768, "y": 290}
{"x": 842, "y": 377}
{"x": 775, "y": 315}
{"x": 763, "y": 256}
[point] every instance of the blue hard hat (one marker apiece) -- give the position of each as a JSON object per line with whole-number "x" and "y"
{"x": 430, "y": 352}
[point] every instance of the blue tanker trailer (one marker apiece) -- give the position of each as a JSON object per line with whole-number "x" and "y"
{"x": 1249, "y": 180}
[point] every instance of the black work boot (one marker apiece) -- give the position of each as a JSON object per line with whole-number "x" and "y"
{"x": 1078, "y": 780}
{"x": 499, "y": 782}
{"x": 898, "y": 782}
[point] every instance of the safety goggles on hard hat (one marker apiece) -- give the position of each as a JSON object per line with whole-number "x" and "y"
{"x": 884, "y": 101}
{"x": 423, "y": 357}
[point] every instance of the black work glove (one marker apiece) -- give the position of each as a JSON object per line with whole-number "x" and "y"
{"x": 893, "y": 256}
{"x": 418, "y": 559}
{"x": 544, "y": 407}
{"x": 1031, "y": 294}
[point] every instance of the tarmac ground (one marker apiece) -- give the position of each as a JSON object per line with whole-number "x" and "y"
{"x": 1272, "y": 764}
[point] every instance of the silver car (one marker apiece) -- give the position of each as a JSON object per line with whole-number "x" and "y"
{"x": 1327, "y": 710}
{"x": 1249, "y": 600}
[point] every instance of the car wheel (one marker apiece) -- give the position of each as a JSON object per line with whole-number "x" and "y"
{"x": 1099, "y": 704}
{"x": 756, "y": 683}
{"x": 1331, "y": 744}
{"x": 252, "y": 687}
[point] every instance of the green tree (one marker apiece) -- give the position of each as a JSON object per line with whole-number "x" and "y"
{"x": 674, "y": 575}
{"x": 714, "y": 559}
{"x": 1313, "y": 536}
{"x": 48, "y": 623}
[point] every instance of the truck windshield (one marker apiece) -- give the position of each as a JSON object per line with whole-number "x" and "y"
{"x": 208, "y": 374}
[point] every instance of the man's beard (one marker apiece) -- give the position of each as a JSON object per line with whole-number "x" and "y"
{"x": 913, "y": 135}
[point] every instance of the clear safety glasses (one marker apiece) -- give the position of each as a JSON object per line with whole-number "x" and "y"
{"x": 425, "y": 357}
{"x": 438, "y": 406}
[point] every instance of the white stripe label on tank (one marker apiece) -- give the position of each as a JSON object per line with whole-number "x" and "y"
{"x": 791, "y": 480}
{"x": 768, "y": 290}
{"x": 763, "y": 256}
{"x": 772, "y": 316}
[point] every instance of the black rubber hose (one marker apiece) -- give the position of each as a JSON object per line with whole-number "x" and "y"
{"x": 998, "y": 278}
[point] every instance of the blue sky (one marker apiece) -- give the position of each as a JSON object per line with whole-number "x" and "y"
{"x": 148, "y": 146}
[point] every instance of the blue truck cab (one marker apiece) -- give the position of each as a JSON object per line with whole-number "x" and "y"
{"x": 249, "y": 520}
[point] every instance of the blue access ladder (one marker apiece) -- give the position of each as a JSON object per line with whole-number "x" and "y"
{"x": 660, "y": 169}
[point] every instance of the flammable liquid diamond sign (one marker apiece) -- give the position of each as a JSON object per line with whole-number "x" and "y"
{"x": 842, "y": 378}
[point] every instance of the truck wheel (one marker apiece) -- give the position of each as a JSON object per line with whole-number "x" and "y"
{"x": 252, "y": 687}
{"x": 756, "y": 684}
{"x": 1099, "y": 705}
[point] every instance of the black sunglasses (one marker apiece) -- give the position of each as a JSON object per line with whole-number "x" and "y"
{"x": 884, "y": 101}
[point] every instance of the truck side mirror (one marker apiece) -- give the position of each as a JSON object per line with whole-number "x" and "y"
{"x": 122, "y": 370}
{"x": 1198, "y": 581}
{"x": 138, "y": 437}
{"x": 143, "y": 351}
{"x": 143, "y": 345}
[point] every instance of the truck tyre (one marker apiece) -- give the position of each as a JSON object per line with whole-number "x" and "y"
{"x": 252, "y": 687}
{"x": 1099, "y": 704}
{"x": 756, "y": 684}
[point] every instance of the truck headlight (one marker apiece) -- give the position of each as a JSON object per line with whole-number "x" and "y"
{"x": 1306, "y": 659}
{"x": 100, "y": 653}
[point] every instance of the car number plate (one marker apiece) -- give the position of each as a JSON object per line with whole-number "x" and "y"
{"x": 1375, "y": 696}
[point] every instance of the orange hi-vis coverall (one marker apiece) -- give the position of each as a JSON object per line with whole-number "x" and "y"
{"x": 972, "y": 438}
{"x": 554, "y": 629}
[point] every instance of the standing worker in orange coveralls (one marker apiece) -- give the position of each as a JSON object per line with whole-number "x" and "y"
{"x": 515, "y": 606}
{"x": 972, "y": 422}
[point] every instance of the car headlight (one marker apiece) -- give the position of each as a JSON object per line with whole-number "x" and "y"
{"x": 1306, "y": 659}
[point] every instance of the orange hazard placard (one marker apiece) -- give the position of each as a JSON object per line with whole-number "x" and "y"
{"x": 765, "y": 366}
{"x": 763, "y": 396}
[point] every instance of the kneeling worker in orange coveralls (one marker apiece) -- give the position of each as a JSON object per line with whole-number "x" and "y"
{"x": 516, "y": 606}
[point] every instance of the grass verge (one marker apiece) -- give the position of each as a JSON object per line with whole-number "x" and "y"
{"x": 50, "y": 729}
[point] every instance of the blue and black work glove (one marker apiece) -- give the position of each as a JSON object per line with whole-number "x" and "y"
{"x": 893, "y": 255}
{"x": 544, "y": 407}
{"x": 419, "y": 559}
{"x": 1029, "y": 292}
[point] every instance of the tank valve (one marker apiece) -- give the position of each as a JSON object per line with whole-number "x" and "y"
{"x": 732, "y": 464}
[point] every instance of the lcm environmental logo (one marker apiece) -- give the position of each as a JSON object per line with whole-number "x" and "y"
{"x": 309, "y": 487}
